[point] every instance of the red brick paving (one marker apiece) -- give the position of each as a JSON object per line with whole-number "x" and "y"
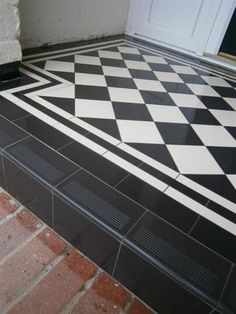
{"x": 42, "y": 273}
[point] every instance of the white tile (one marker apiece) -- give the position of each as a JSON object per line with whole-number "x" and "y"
{"x": 215, "y": 81}
{"x": 149, "y": 85}
{"x": 207, "y": 193}
{"x": 181, "y": 69}
{"x": 128, "y": 50}
{"x": 87, "y": 60}
{"x": 64, "y": 92}
{"x": 194, "y": 159}
{"x": 59, "y": 66}
{"x": 154, "y": 59}
{"x": 231, "y": 102}
{"x": 138, "y": 65}
{"x": 94, "y": 109}
{"x": 80, "y": 138}
{"x": 203, "y": 90}
{"x": 150, "y": 161}
{"x": 96, "y": 131}
{"x": 110, "y": 54}
{"x": 90, "y": 79}
{"x": 125, "y": 95}
{"x": 168, "y": 77}
{"x": 214, "y": 135}
{"x": 116, "y": 71}
{"x": 143, "y": 175}
{"x": 232, "y": 179}
{"x": 166, "y": 114}
{"x": 225, "y": 117}
{"x": 201, "y": 210}
{"x": 139, "y": 132}
{"x": 185, "y": 100}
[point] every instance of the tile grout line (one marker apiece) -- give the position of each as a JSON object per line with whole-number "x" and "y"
{"x": 225, "y": 284}
{"x": 71, "y": 84}
{"x": 193, "y": 225}
{"x": 11, "y": 215}
{"x": 37, "y": 279}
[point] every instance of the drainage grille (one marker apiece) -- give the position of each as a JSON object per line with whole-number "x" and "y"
{"x": 33, "y": 161}
{"x": 176, "y": 260}
{"x": 96, "y": 205}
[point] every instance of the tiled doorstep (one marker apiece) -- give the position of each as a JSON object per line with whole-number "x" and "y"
{"x": 41, "y": 273}
{"x": 105, "y": 225}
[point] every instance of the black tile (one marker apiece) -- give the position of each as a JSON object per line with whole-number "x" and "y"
{"x": 154, "y": 287}
{"x": 38, "y": 159}
{"x": 2, "y": 179}
{"x": 18, "y": 82}
{"x": 88, "y": 68}
{"x": 142, "y": 74}
{"x": 225, "y": 91}
{"x": 66, "y": 122}
{"x": 215, "y": 103}
{"x": 160, "y": 67}
{"x": 226, "y": 158}
{"x": 232, "y": 131}
{"x": 131, "y": 56}
{"x": 199, "y": 116}
{"x": 10, "y": 110}
{"x": 66, "y": 59}
{"x": 44, "y": 132}
{"x": 158, "y": 202}
{"x": 10, "y": 133}
{"x": 215, "y": 238}
{"x": 65, "y": 75}
{"x": 158, "y": 98}
{"x": 108, "y": 126}
{"x": 113, "y": 62}
{"x": 94, "y": 163}
{"x": 222, "y": 211}
{"x": 122, "y": 82}
{"x": 177, "y": 133}
{"x": 217, "y": 183}
{"x": 228, "y": 302}
{"x": 193, "y": 79}
{"x": 100, "y": 203}
{"x": 158, "y": 152}
{"x": 186, "y": 261}
{"x": 28, "y": 190}
{"x": 114, "y": 149}
{"x": 175, "y": 184}
{"x": 131, "y": 111}
{"x": 176, "y": 88}
{"x": 63, "y": 103}
{"x": 91, "y": 92}
{"x": 85, "y": 235}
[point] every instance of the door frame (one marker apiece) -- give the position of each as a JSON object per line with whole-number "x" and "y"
{"x": 210, "y": 41}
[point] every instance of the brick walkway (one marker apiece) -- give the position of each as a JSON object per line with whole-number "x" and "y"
{"x": 41, "y": 273}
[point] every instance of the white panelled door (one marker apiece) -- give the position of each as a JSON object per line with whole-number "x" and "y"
{"x": 185, "y": 24}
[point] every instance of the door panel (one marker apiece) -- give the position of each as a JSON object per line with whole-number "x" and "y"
{"x": 181, "y": 23}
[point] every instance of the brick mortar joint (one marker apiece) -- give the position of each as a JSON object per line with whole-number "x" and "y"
{"x": 67, "y": 309}
{"x": 35, "y": 280}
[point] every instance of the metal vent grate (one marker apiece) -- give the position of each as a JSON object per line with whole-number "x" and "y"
{"x": 96, "y": 205}
{"x": 176, "y": 260}
{"x": 36, "y": 163}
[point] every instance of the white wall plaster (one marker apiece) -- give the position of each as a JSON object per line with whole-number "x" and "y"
{"x": 56, "y": 21}
{"x": 10, "y": 49}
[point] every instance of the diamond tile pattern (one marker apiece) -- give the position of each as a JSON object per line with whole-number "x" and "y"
{"x": 144, "y": 99}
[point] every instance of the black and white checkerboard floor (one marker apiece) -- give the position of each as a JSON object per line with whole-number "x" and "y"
{"x": 157, "y": 128}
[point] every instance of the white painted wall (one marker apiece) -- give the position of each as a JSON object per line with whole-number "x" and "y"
{"x": 56, "y": 21}
{"x": 10, "y": 49}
